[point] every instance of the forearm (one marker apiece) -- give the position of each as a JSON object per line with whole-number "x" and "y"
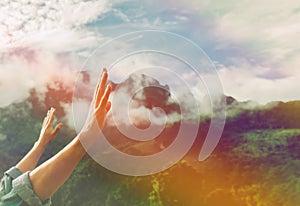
{"x": 48, "y": 177}
{"x": 47, "y": 135}
{"x": 30, "y": 161}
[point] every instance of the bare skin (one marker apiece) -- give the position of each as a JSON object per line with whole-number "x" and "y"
{"x": 49, "y": 176}
{"x": 47, "y": 135}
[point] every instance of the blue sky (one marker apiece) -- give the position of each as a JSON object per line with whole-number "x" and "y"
{"x": 253, "y": 44}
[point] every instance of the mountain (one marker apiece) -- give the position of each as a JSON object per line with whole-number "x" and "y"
{"x": 255, "y": 163}
{"x": 242, "y": 116}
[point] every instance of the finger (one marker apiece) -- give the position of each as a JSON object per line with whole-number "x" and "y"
{"x": 57, "y": 128}
{"x": 99, "y": 83}
{"x": 51, "y": 117}
{"x": 47, "y": 119}
{"x": 108, "y": 106}
{"x": 101, "y": 87}
{"x": 105, "y": 97}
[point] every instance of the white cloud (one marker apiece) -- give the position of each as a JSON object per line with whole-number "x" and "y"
{"x": 261, "y": 40}
{"x": 271, "y": 29}
{"x": 34, "y": 34}
{"x": 267, "y": 31}
{"x": 14, "y": 83}
{"x": 250, "y": 84}
{"x": 127, "y": 112}
{"x": 78, "y": 119}
{"x": 62, "y": 40}
{"x": 44, "y": 21}
{"x": 20, "y": 73}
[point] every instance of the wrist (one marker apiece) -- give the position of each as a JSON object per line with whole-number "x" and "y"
{"x": 86, "y": 138}
{"x": 40, "y": 145}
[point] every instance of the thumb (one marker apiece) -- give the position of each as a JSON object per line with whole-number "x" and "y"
{"x": 108, "y": 106}
{"x": 57, "y": 128}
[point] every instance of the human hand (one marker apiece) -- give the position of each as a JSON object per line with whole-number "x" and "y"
{"x": 99, "y": 108}
{"x": 48, "y": 133}
{"x": 101, "y": 103}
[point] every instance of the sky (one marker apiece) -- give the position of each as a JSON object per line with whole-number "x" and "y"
{"x": 254, "y": 45}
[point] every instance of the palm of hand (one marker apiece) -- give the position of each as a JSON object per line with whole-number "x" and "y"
{"x": 48, "y": 133}
{"x": 100, "y": 106}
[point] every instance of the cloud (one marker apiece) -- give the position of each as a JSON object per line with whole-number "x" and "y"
{"x": 62, "y": 40}
{"x": 38, "y": 42}
{"x": 249, "y": 83}
{"x": 14, "y": 84}
{"x": 266, "y": 29}
{"x": 20, "y": 72}
{"x": 259, "y": 39}
{"x": 255, "y": 43}
{"x": 44, "y": 22}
